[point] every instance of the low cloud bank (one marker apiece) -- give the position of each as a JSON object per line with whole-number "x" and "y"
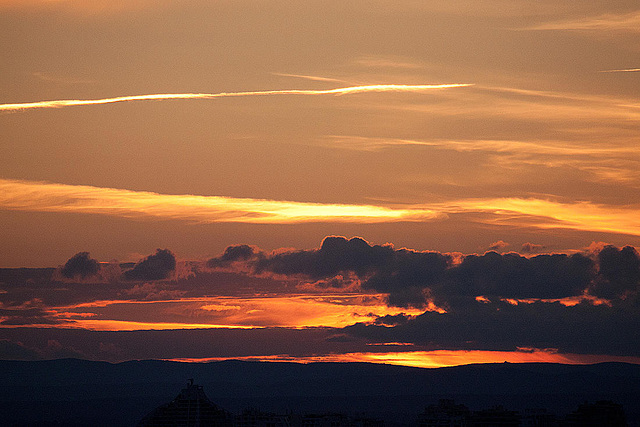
{"x": 415, "y": 278}
{"x": 154, "y": 267}
{"x": 587, "y": 302}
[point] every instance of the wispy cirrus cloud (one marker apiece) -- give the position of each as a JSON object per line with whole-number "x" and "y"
{"x": 538, "y": 105}
{"x": 541, "y": 213}
{"x": 306, "y": 77}
{"x": 530, "y": 147}
{"x": 613, "y": 162}
{"x": 188, "y": 96}
{"x": 629, "y": 22}
{"x": 624, "y": 70}
{"x": 33, "y": 196}
{"x": 47, "y": 197}
{"x": 379, "y": 61}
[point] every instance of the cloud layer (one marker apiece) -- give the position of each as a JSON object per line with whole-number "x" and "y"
{"x": 362, "y": 297}
{"x": 33, "y": 196}
{"x": 46, "y": 197}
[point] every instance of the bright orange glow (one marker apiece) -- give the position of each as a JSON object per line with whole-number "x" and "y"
{"x": 304, "y": 310}
{"x": 123, "y": 325}
{"x": 540, "y": 213}
{"x": 46, "y": 197}
{"x": 291, "y": 311}
{"x": 438, "y": 358}
{"x": 170, "y": 96}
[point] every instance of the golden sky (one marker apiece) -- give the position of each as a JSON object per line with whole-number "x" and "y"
{"x": 454, "y": 108}
{"x": 451, "y": 126}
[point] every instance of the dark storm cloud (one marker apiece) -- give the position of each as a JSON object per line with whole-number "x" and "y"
{"x": 584, "y": 328}
{"x": 514, "y": 276}
{"x": 407, "y": 275}
{"x": 235, "y": 253}
{"x": 154, "y": 267}
{"x": 413, "y": 278}
{"x": 80, "y": 266}
{"x": 410, "y": 278}
{"x": 118, "y": 346}
{"x": 22, "y": 288}
{"x": 337, "y": 254}
{"x": 403, "y": 274}
{"x": 619, "y": 272}
{"x": 392, "y": 320}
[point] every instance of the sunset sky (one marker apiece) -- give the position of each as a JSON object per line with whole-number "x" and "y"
{"x": 418, "y": 182}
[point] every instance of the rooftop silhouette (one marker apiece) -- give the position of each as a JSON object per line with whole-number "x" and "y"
{"x": 191, "y": 408}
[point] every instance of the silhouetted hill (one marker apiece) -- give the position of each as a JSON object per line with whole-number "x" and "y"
{"x": 80, "y": 392}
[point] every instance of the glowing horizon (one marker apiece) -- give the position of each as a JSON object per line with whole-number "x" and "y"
{"x": 434, "y": 358}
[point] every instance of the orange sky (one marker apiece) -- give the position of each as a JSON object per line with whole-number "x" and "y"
{"x": 542, "y": 137}
{"x": 450, "y": 126}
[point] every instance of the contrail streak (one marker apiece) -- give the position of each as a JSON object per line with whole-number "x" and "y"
{"x": 625, "y": 70}
{"x": 168, "y": 96}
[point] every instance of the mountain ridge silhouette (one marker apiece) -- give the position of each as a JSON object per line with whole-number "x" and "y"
{"x": 81, "y": 392}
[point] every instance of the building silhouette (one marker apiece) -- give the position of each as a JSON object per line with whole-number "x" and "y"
{"x": 191, "y": 408}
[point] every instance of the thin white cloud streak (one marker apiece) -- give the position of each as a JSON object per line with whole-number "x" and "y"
{"x": 530, "y": 105}
{"x": 500, "y": 146}
{"x": 609, "y": 22}
{"x": 618, "y": 163}
{"x": 173, "y": 96}
{"x": 538, "y": 213}
{"x": 553, "y": 94}
{"x": 624, "y": 70}
{"x": 306, "y": 77}
{"x": 387, "y": 62}
{"x": 48, "y": 197}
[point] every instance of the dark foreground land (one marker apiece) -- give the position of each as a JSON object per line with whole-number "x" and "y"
{"x": 73, "y": 392}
